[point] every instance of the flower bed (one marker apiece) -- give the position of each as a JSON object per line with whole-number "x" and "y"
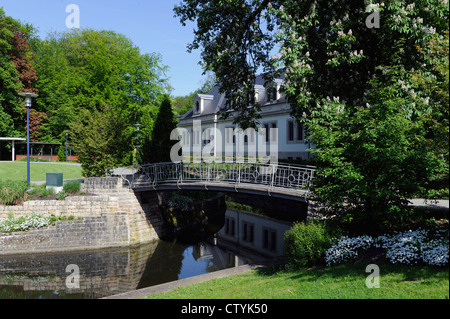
{"x": 24, "y": 223}
{"x": 411, "y": 247}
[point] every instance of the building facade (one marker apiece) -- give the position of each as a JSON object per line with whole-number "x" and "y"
{"x": 202, "y": 132}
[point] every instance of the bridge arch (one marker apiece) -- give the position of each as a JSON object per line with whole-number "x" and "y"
{"x": 280, "y": 181}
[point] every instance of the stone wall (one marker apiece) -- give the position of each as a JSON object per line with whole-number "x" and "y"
{"x": 77, "y": 206}
{"x": 116, "y": 216}
{"x": 108, "y": 230}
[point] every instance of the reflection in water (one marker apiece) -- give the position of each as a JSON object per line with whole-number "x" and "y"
{"x": 109, "y": 271}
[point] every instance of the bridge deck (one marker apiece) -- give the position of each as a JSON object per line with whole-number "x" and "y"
{"x": 285, "y": 181}
{"x": 247, "y": 188}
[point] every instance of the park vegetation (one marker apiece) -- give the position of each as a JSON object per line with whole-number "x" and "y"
{"x": 79, "y": 74}
{"x": 374, "y": 100}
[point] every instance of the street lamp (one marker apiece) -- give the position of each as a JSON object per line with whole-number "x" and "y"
{"x": 28, "y": 97}
{"x": 137, "y": 148}
{"x": 66, "y": 144}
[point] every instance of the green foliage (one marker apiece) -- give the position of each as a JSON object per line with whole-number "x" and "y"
{"x": 158, "y": 148}
{"x": 12, "y": 192}
{"x": 84, "y": 69}
{"x": 375, "y": 101}
{"x": 16, "y": 73}
{"x": 41, "y": 191}
{"x": 305, "y": 244}
{"x": 72, "y": 187}
{"x": 97, "y": 138}
{"x": 61, "y": 195}
{"x": 372, "y": 159}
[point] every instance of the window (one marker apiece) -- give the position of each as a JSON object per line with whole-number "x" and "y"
{"x": 266, "y": 126}
{"x": 197, "y": 107}
{"x": 299, "y": 131}
{"x": 249, "y": 135}
{"x": 269, "y": 239}
{"x": 206, "y": 136}
{"x": 271, "y": 131}
{"x": 294, "y": 131}
{"x": 290, "y": 131}
{"x": 230, "y": 137}
{"x": 248, "y": 232}
{"x": 185, "y": 138}
{"x": 229, "y": 226}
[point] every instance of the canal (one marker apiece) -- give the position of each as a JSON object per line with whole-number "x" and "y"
{"x": 106, "y": 272}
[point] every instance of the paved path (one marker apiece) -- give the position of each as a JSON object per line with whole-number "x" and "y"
{"x": 434, "y": 204}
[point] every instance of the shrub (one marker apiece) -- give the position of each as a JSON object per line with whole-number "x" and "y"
{"x": 41, "y": 191}
{"x": 12, "y": 192}
{"x": 305, "y": 243}
{"x": 72, "y": 187}
{"x": 61, "y": 195}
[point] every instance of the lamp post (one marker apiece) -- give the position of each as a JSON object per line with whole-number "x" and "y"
{"x": 28, "y": 97}
{"x": 66, "y": 144}
{"x": 137, "y": 148}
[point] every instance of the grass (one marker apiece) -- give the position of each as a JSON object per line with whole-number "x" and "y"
{"x": 337, "y": 282}
{"x": 18, "y": 171}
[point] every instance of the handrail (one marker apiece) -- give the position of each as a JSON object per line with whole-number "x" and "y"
{"x": 271, "y": 175}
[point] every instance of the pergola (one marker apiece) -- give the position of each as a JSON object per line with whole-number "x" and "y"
{"x": 13, "y": 140}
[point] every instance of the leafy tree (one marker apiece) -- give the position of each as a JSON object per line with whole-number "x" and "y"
{"x": 16, "y": 74}
{"x": 325, "y": 47}
{"x": 83, "y": 69}
{"x": 96, "y": 137}
{"x": 158, "y": 148}
{"x": 353, "y": 87}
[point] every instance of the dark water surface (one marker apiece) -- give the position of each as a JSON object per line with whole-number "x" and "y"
{"x": 101, "y": 273}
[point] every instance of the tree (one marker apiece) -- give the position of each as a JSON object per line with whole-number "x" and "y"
{"x": 372, "y": 160}
{"x": 96, "y": 137}
{"x": 351, "y": 85}
{"x": 158, "y": 148}
{"x": 16, "y": 74}
{"x": 325, "y": 47}
{"x": 84, "y": 69}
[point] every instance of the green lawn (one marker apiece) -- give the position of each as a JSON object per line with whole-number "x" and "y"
{"x": 18, "y": 170}
{"x": 337, "y": 282}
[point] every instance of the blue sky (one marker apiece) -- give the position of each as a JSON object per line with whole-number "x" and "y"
{"x": 148, "y": 23}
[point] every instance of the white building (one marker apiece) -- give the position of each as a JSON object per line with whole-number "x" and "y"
{"x": 285, "y": 139}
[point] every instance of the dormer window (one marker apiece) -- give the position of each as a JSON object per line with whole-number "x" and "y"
{"x": 203, "y": 104}
{"x": 197, "y": 107}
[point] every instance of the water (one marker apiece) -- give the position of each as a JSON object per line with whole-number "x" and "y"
{"x": 107, "y": 272}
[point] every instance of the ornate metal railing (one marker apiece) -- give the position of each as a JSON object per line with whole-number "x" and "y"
{"x": 271, "y": 175}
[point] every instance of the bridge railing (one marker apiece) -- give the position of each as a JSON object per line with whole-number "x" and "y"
{"x": 272, "y": 175}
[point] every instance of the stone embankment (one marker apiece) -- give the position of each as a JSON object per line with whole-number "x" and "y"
{"x": 115, "y": 216}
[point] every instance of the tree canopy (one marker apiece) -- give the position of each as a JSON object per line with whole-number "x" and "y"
{"x": 374, "y": 98}
{"x": 17, "y": 73}
{"x": 76, "y": 72}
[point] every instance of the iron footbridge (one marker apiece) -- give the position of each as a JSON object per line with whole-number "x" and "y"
{"x": 284, "y": 181}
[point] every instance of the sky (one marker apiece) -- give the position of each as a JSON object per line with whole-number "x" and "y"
{"x": 150, "y": 24}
